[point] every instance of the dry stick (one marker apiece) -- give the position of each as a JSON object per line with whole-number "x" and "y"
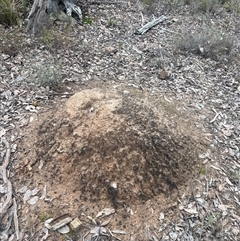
{"x": 3, "y": 170}
{"x": 151, "y": 24}
{"x": 15, "y": 216}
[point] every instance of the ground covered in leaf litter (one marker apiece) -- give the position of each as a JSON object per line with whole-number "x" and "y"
{"x": 206, "y": 208}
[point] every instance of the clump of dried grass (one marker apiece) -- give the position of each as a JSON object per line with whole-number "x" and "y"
{"x": 11, "y": 11}
{"x": 47, "y": 73}
{"x": 208, "y": 43}
{"x": 8, "y": 13}
{"x": 213, "y": 6}
{"x": 195, "y": 6}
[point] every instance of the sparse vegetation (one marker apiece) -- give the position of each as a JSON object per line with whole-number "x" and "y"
{"x": 88, "y": 21}
{"x": 208, "y": 43}
{"x": 47, "y": 74}
{"x": 211, "y": 220}
{"x": 202, "y": 170}
{"x": 196, "y": 6}
{"x": 55, "y": 39}
{"x": 42, "y": 217}
{"x": 213, "y": 6}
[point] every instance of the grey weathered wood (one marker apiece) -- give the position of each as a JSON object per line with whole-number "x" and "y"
{"x": 151, "y": 24}
{"x": 44, "y": 12}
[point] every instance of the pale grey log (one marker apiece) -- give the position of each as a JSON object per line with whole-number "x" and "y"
{"x": 151, "y": 24}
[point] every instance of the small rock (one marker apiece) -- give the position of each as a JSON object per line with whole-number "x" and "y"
{"x": 110, "y": 49}
{"x": 163, "y": 75}
{"x": 80, "y": 28}
{"x": 75, "y": 224}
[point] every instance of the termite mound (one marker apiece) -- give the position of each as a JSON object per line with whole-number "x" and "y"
{"x": 113, "y": 147}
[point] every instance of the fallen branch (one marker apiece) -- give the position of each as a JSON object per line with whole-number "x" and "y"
{"x": 151, "y": 24}
{"x": 3, "y": 170}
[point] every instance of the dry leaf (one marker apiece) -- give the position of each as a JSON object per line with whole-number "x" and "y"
{"x": 212, "y": 194}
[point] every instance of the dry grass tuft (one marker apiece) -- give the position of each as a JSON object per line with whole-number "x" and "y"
{"x": 8, "y": 13}
{"x": 195, "y": 6}
{"x": 213, "y": 6}
{"x": 208, "y": 43}
{"x": 12, "y": 11}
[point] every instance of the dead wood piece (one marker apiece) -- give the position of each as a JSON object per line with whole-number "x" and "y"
{"x": 71, "y": 7}
{"x": 45, "y": 12}
{"x": 151, "y": 24}
{"x": 3, "y": 170}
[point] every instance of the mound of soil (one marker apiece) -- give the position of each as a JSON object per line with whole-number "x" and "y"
{"x": 113, "y": 148}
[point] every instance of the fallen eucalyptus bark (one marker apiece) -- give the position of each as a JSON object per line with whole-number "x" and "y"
{"x": 151, "y": 24}
{"x": 3, "y": 174}
{"x": 58, "y": 222}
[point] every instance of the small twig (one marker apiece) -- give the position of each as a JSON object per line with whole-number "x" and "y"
{"x": 113, "y": 235}
{"x": 84, "y": 236}
{"x": 142, "y": 18}
{"x": 217, "y": 114}
{"x": 15, "y": 217}
{"x": 34, "y": 232}
{"x": 215, "y": 117}
{"x": 167, "y": 99}
{"x": 219, "y": 198}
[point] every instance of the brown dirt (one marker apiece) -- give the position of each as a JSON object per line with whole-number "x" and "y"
{"x": 125, "y": 141}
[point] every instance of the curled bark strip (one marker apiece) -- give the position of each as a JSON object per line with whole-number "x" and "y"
{"x": 3, "y": 170}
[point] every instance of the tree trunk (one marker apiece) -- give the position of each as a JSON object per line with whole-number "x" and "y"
{"x": 44, "y": 12}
